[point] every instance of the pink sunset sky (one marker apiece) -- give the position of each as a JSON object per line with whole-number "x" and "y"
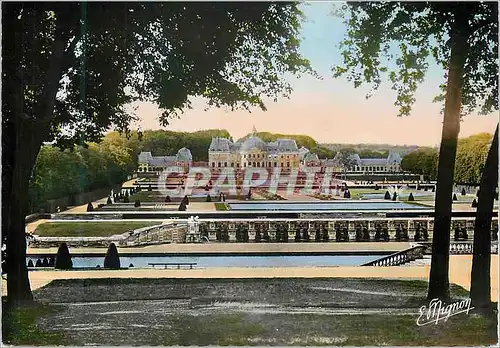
{"x": 330, "y": 110}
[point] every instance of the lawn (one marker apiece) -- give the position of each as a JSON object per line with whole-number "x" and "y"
{"x": 88, "y": 229}
{"x": 19, "y": 327}
{"x": 219, "y": 206}
{"x": 147, "y": 196}
{"x": 293, "y": 311}
{"x": 356, "y": 193}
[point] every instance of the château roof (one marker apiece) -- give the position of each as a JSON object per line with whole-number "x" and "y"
{"x": 220, "y": 144}
{"x": 184, "y": 155}
{"x": 253, "y": 142}
{"x": 311, "y": 157}
{"x": 144, "y": 157}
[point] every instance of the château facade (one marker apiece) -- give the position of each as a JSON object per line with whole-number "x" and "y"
{"x": 366, "y": 165}
{"x": 253, "y": 153}
{"x": 149, "y": 163}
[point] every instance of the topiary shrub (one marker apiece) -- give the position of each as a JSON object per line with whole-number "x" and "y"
{"x": 387, "y": 195}
{"x": 137, "y": 203}
{"x": 126, "y": 199}
{"x": 109, "y": 201}
{"x": 52, "y": 261}
{"x": 209, "y": 199}
{"x": 411, "y": 198}
{"x": 90, "y": 207}
{"x": 30, "y": 264}
{"x": 182, "y": 206}
{"x": 426, "y": 188}
{"x": 167, "y": 199}
{"x": 63, "y": 258}
{"x": 455, "y": 197}
{"x": 126, "y": 193}
{"x": 463, "y": 191}
{"x": 112, "y": 260}
{"x": 150, "y": 188}
{"x": 347, "y": 194}
{"x": 394, "y": 196}
{"x": 131, "y": 265}
{"x": 474, "y": 203}
{"x": 186, "y": 200}
{"x": 377, "y": 187}
{"x": 433, "y": 188}
{"x": 418, "y": 186}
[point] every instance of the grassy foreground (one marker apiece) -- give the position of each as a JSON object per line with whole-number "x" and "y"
{"x": 262, "y": 312}
{"x": 19, "y": 327}
{"x": 325, "y": 330}
{"x": 88, "y": 229}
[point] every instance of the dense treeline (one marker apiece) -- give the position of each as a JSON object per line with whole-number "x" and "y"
{"x": 82, "y": 169}
{"x": 372, "y": 149}
{"x": 471, "y": 155}
{"x": 162, "y": 143}
{"x": 422, "y": 161}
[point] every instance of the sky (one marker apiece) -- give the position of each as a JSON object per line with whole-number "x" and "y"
{"x": 330, "y": 110}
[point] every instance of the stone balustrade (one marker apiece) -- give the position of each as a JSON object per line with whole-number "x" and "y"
{"x": 399, "y": 258}
{"x": 160, "y": 234}
{"x": 334, "y": 230}
{"x": 165, "y": 233}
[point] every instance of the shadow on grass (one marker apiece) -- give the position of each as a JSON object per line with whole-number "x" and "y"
{"x": 19, "y": 326}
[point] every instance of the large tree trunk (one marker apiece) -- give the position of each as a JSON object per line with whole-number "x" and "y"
{"x": 439, "y": 286}
{"x": 25, "y": 152}
{"x": 26, "y": 133}
{"x": 480, "y": 288}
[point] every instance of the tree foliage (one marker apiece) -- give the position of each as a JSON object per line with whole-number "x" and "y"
{"x": 471, "y": 155}
{"x": 346, "y": 157}
{"x": 373, "y": 154}
{"x": 70, "y": 71}
{"x": 410, "y": 34}
{"x": 462, "y": 37}
{"x": 422, "y": 161}
{"x": 59, "y": 173}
